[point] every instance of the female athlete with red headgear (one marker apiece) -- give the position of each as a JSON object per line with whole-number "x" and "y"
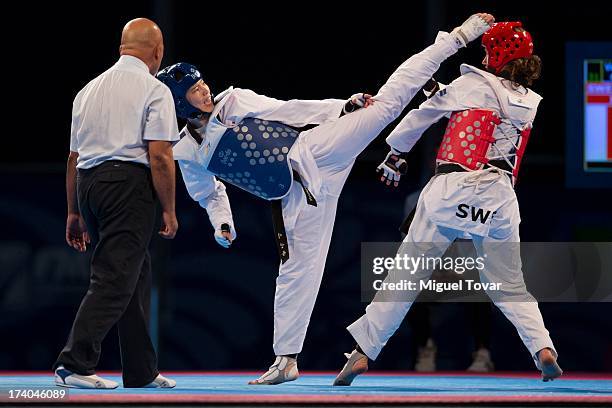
{"x": 471, "y": 196}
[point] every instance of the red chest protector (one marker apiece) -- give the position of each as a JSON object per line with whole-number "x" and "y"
{"x": 469, "y": 137}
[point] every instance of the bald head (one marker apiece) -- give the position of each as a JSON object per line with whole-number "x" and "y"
{"x": 143, "y": 39}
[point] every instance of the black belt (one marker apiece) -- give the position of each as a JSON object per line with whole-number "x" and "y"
{"x": 446, "y": 168}
{"x": 280, "y": 234}
{"x": 449, "y": 168}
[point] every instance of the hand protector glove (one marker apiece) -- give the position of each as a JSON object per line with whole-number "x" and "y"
{"x": 471, "y": 29}
{"x": 392, "y": 168}
{"x": 355, "y": 102}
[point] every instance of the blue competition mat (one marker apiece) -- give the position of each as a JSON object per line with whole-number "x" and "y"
{"x": 317, "y": 389}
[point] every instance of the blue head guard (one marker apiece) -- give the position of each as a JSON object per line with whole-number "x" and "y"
{"x": 179, "y": 78}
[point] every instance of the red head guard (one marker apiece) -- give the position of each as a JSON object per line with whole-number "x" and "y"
{"x": 503, "y": 44}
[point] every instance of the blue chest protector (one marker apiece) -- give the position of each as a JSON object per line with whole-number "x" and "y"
{"x": 253, "y": 156}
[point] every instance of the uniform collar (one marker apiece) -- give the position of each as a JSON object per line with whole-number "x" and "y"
{"x": 465, "y": 68}
{"x": 186, "y": 148}
{"x": 132, "y": 61}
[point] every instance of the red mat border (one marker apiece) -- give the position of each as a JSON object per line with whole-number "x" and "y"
{"x": 329, "y": 399}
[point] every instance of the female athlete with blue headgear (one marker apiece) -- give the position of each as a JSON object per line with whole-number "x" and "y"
{"x": 253, "y": 142}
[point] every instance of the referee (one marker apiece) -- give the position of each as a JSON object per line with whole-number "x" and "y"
{"x": 120, "y": 163}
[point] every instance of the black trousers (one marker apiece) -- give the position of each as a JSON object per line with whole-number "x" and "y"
{"x": 117, "y": 201}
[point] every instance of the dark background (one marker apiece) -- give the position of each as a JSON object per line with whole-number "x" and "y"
{"x": 215, "y": 306}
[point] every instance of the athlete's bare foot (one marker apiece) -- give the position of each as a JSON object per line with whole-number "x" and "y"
{"x": 548, "y": 365}
{"x": 357, "y": 364}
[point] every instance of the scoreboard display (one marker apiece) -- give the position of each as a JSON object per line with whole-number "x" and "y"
{"x": 598, "y": 114}
{"x": 588, "y": 115}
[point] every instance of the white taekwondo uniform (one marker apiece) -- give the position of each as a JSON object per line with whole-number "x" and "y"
{"x": 437, "y": 219}
{"x": 323, "y": 156}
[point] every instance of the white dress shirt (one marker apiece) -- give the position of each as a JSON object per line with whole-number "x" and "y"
{"x": 115, "y": 115}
